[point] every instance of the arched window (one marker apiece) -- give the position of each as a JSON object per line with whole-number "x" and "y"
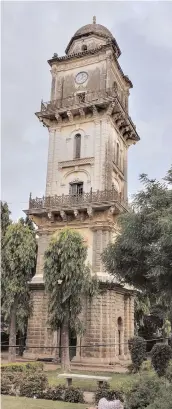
{"x": 119, "y": 334}
{"x": 77, "y": 146}
{"x": 84, "y": 47}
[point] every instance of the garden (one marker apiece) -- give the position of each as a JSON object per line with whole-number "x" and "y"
{"x": 146, "y": 385}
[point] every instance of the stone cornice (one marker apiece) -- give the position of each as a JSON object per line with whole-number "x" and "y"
{"x": 75, "y": 162}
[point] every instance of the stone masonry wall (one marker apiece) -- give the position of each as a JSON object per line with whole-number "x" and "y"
{"x": 38, "y": 333}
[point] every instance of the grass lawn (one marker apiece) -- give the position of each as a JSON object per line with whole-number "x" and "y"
{"x": 119, "y": 380}
{"x": 11, "y": 402}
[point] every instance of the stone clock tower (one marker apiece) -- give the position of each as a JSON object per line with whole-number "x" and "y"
{"x": 90, "y": 131}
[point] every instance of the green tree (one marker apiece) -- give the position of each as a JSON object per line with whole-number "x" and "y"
{"x": 67, "y": 282}
{"x": 18, "y": 260}
{"x": 5, "y": 218}
{"x": 142, "y": 253}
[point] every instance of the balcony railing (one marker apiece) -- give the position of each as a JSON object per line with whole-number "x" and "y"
{"x": 89, "y": 98}
{"x": 106, "y": 197}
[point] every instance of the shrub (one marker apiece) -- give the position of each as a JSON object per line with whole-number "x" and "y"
{"x": 33, "y": 385}
{"x": 22, "y": 367}
{"x": 74, "y": 395}
{"x": 163, "y": 400}
{"x": 160, "y": 357}
{"x": 143, "y": 393}
{"x": 168, "y": 373}
{"x": 137, "y": 348}
{"x": 54, "y": 393}
{"x": 146, "y": 366}
{"x": 10, "y": 383}
{"x": 104, "y": 391}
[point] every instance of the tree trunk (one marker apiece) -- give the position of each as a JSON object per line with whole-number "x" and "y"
{"x": 65, "y": 360}
{"x": 12, "y": 334}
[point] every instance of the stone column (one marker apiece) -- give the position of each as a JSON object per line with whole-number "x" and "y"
{"x": 50, "y": 162}
{"x": 42, "y": 246}
{"x": 125, "y": 174}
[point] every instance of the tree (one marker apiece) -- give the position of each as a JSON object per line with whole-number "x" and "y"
{"x": 5, "y": 218}
{"x": 67, "y": 282}
{"x": 142, "y": 253}
{"x": 18, "y": 260}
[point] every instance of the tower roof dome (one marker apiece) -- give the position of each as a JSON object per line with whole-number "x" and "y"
{"x": 97, "y": 29}
{"x": 94, "y": 28}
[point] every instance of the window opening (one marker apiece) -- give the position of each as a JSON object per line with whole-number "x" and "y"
{"x": 76, "y": 189}
{"x": 77, "y": 146}
{"x": 81, "y": 96}
{"x": 84, "y": 47}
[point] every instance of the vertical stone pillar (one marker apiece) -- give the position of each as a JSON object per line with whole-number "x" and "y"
{"x": 125, "y": 174}
{"x": 42, "y": 246}
{"x": 126, "y": 323}
{"x": 97, "y": 149}
{"x": 50, "y": 162}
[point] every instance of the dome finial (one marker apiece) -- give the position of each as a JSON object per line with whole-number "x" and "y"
{"x": 94, "y": 19}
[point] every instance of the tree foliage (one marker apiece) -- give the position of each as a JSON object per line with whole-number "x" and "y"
{"x": 160, "y": 357}
{"x": 5, "y": 218}
{"x": 67, "y": 282}
{"x": 18, "y": 261}
{"x": 137, "y": 348}
{"x": 142, "y": 253}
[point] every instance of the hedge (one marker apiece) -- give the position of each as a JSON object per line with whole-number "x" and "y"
{"x": 22, "y": 367}
{"x": 36, "y": 385}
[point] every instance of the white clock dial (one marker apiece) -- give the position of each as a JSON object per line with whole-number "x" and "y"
{"x": 81, "y": 77}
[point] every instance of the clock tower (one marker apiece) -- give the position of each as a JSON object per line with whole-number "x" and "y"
{"x": 90, "y": 131}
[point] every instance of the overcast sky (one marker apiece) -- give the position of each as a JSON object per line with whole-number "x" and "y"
{"x": 31, "y": 33}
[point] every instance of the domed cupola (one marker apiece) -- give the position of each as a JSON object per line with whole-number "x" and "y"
{"x": 91, "y": 36}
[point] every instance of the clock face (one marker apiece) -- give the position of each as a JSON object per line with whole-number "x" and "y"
{"x": 81, "y": 77}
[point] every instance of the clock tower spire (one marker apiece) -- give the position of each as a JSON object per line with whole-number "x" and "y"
{"x": 90, "y": 131}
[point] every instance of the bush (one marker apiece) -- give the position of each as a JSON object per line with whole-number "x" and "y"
{"x": 168, "y": 373}
{"x": 104, "y": 391}
{"x": 137, "y": 348}
{"x": 54, "y": 393}
{"x": 160, "y": 357}
{"x": 33, "y": 385}
{"x": 74, "y": 395}
{"x": 22, "y": 367}
{"x": 10, "y": 383}
{"x": 163, "y": 400}
{"x": 146, "y": 366}
{"x": 143, "y": 393}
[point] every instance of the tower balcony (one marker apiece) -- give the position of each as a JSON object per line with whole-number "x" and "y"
{"x": 85, "y": 202}
{"x": 84, "y": 103}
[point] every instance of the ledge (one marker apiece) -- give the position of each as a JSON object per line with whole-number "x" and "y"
{"x": 76, "y": 162}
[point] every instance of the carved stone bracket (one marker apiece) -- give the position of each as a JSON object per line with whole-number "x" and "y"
{"x": 76, "y": 214}
{"x": 90, "y": 211}
{"x": 112, "y": 209}
{"x": 82, "y": 113}
{"x": 94, "y": 112}
{"x": 110, "y": 109}
{"x": 51, "y": 216}
{"x": 58, "y": 117}
{"x": 120, "y": 121}
{"x": 116, "y": 116}
{"x": 70, "y": 116}
{"x": 63, "y": 215}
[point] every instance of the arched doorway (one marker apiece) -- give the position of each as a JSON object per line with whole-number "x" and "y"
{"x": 119, "y": 335}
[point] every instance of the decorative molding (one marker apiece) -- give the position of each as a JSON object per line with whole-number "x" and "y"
{"x": 76, "y": 162}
